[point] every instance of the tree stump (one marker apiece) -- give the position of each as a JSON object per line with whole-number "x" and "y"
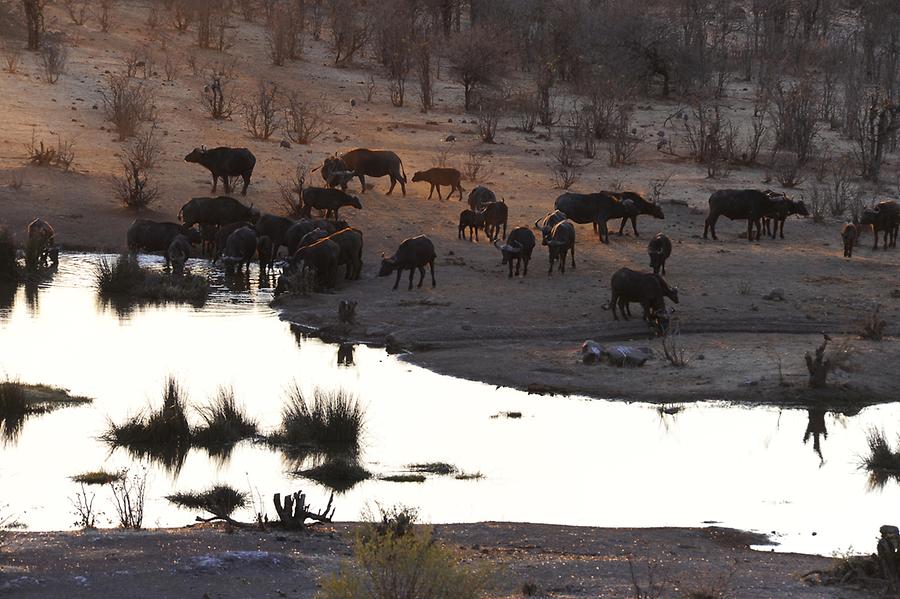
{"x": 294, "y": 511}
{"x": 818, "y": 366}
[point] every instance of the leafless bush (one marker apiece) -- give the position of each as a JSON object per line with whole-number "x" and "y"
{"x": 53, "y": 56}
{"x": 441, "y": 156}
{"x": 624, "y": 141}
{"x": 488, "y": 117}
{"x": 840, "y": 185}
{"x": 370, "y": 88}
{"x": 16, "y": 180}
{"x": 134, "y": 186}
{"x": 61, "y": 156}
{"x": 819, "y": 364}
{"x": 350, "y": 29}
{"x": 145, "y": 150}
{"x": 788, "y": 171}
{"x": 153, "y": 18}
{"x": 170, "y": 68}
{"x": 248, "y": 9}
{"x": 11, "y": 57}
{"x": 581, "y": 124}
{"x": 304, "y": 120}
{"x": 131, "y": 62}
{"x": 815, "y": 203}
{"x": 423, "y": 53}
{"x": 526, "y": 109}
{"x": 216, "y": 98}
{"x": 261, "y": 112}
{"x": 278, "y": 40}
{"x": 877, "y": 122}
{"x": 794, "y": 113}
{"x": 657, "y": 186}
{"x": 873, "y": 326}
{"x": 566, "y": 168}
{"x": 673, "y": 350}
{"x": 182, "y": 13}
{"x": 104, "y": 16}
{"x": 602, "y": 110}
{"x": 476, "y": 167}
{"x": 129, "y": 494}
{"x": 127, "y": 103}
{"x": 76, "y": 9}
{"x": 290, "y": 200}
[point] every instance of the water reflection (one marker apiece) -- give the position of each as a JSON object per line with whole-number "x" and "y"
{"x": 816, "y": 429}
{"x": 345, "y": 354}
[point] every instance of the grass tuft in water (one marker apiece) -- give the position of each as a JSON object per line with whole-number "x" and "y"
{"x": 20, "y": 400}
{"x": 339, "y": 474}
{"x": 220, "y": 501}
{"x": 9, "y": 267}
{"x": 439, "y": 468}
{"x": 882, "y": 462}
{"x": 330, "y": 421}
{"x": 224, "y": 422}
{"x": 469, "y": 476}
{"x": 125, "y": 277}
{"x": 404, "y": 478}
{"x": 98, "y": 477}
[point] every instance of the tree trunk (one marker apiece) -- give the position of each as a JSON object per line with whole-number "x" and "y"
{"x": 34, "y": 22}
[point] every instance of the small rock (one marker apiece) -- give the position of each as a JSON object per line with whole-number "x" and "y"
{"x": 701, "y": 357}
{"x": 895, "y": 294}
{"x": 450, "y": 138}
{"x": 94, "y": 107}
{"x": 285, "y": 143}
{"x": 776, "y": 295}
{"x": 749, "y": 383}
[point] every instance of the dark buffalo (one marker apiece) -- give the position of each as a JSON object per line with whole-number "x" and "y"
{"x": 496, "y": 214}
{"x": 336, "y": 173}
{"x": 739, "y": 204}
{"x": 518, "y": 248}
{"x": 647, "y": 289}
{"x": 480, "y": 197}
{"x": 546, "y": 223}
{"x": 596, "y": 209}
{"x": 312, "y": 237}
{"x": 275, "y": 228}
{"x": 849, "y": 235}
{"x": 329, "y": 200}
{"x": 644, "y": 206}
{"x": 659, "y": 249}
{"x": 223, "y": 233}
{"x": 782, "y": 207}
{"x": 413, "y": 253}
{"x": 560, "y": 242}
{"x": 322, "y": 257}
{"x": 219, "y": 211}
{"x": 225, "y": 162}
{"x": 239, "y": 249}
{"x": 208, "y": 239}
{"x": 883, "y": 217}
{"x": 303, "y": 226}
{"x": 448, "y": 177}
{"x": 265, "y": 251}
{"x": 471, "y": 220}
{"x": 375, "y": 163}
{"x": 178, "y": 252}
{"x": 351, "y": 243}
{"x": 150, "y": 236}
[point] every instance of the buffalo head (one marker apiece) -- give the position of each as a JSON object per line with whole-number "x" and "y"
{"x": 354, "y": 201}
{"x": 800, "y": 208}
{"x": 196, "y": 155}
{"x": 387, "y": 266}
{"x": 417, "y": 176}
{"x": 656, "y": 210}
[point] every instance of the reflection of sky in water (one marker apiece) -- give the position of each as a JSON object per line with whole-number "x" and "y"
{"x": 567, "y": 460}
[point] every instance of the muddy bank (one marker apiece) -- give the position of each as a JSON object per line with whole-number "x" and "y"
{"x": 562, "y": 561}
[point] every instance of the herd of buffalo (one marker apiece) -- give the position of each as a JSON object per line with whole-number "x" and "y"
{"x": 235, "y": 234}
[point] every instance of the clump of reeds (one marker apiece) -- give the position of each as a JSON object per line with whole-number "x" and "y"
{"x": 98, "y": 477}
{"x": 439, "y": 468}
{"x": 404, "y": 478}
{"x": 125, "y": 277}
{"x": 20, "y": 400}
{"x": 220, "y": 501}
{"x": 331, "y": 420}
{"x": 224, "y": 422}
{"x": 339, "y": 474}
{"x": 882, "y": 462}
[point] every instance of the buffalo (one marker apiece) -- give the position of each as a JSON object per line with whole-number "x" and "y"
{"x": 275, "y": 228}
{"x": 644, "y": 206}
{"x": 560, "y": 242}
{"x": 448, "y": 177}
{"x": 659, "y": 249}
{"x": 239, "y": 249}
{"x": 178, "y": 252}
{"x": 224, "y": 231}
{"x": 219, "y": 211}
{"x": 329, "y": 200}
{"x": 413, "y": 253}
{"x": 303, "y": 226}
{"x": 849, "y": 236}
{"x": 471, "y": 220}
{"x": 480, "y": 197}
{"x": 350, "y": 242}
{"x": 739, "y": 204}
{"x": 225, "y": 162}
{"x": 312, "y": 237}
{"x": 265, "y": 251}
{"x": 496, "y": 214}
{"x": 150, "y": 236}
{"x": 782, "y": 207}
{"x": 375, "y": 163}
{"x": 647, "y": 289}
{"x": 518, "y": 248}
{"x": 884, "y": 216}
{"x": 336, "y": 174}
{"x": 322, "y": 257}
{"x": 546, "y": 223}
{"x": 595, "y": 208}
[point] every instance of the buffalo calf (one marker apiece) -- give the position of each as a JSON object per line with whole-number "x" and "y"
{"x": 471, "y": 220}
{"x": 413, "y": 253}
{"x": 659, "y": 249}
{"x": 437, "y": 177}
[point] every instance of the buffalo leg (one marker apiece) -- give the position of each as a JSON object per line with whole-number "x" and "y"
{"x": 525, "y": 269}
{"x": 439, "y": 193}
{"x": 613, "y": 301}
{"x": 460, "y": 189}
{"x": 622, "y": 226}
{"x": 504, "y": 229}
{"x": 781, "y": 228}
{"x": 216, "y": 182}
{"x": 475, "y": 228}
{"x": 430, "y": 191}
{"x": 573, "y": 255}
{"x": 397, "y": 281}
{"x": 226, "y": 181}
{"x": 431, "y": 268}
{"x": 634, "y": 226}
{"x": 393, "y": 183}
{"x": 550, "y": 272}
{"x": 462, "y": 233}
{"x": 750, "y": 230}
{"x": 246, "y": 184}
{"x": 710, "y": 226}
{"x": 511, "y": 267}
{"x": 664, "y": 266}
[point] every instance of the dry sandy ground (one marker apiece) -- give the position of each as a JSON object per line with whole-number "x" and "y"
{"x": 477, "y": 323}
{"x": 561, "y": 561}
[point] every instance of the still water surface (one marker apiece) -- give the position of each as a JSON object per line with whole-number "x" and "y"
{"x": 566, "y": 461}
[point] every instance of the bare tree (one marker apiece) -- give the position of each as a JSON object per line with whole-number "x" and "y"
{"x": 127, "y": 104}
{"x": 351, "y": 29}
{"x": 476, "y": 60}
{"x": 304, "y": 120}
{"x": 53, "y": 55}
{"x": 104, "y": 15}
{"x": 134, "y": 185}
{"x": 216, "y": 97}
{"x": 261, "y": 112}
{"x": 34, "y": 21}
{"x": 76, "y": 9}
{"x": 877, "y": 123}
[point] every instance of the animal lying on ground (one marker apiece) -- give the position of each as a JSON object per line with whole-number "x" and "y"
{"x": 225, "y": 162}
{"x": 471, "y": 220}
{"x": 883, "y": 217}
{"x": 177, "y": 253}
{"x": 644, "y": 206}
{"x": 239, "y": 249}
{"x": 480, "y": 197}
{"x": 739, "y": 204}
{"x": 495, "y": 215}
{"x": 437, "y": 177}
{"x": 150, "y": 236}
{"x": 647, "y": 289}
{"x": 329, "y": 200}
{"x": 518, "y": 248}
{"x": 659, "y": 249}
{"x": 374, "y": 163}
{"x": 849, "y": 236}
{"x": 413, "y": 253}
{"x": 560, "y": 242}
{"x": 219, "y": 211}
{"x": 782, "y": 207}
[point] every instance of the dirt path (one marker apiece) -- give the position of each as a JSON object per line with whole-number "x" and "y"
{"x": 560, "y": 561}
